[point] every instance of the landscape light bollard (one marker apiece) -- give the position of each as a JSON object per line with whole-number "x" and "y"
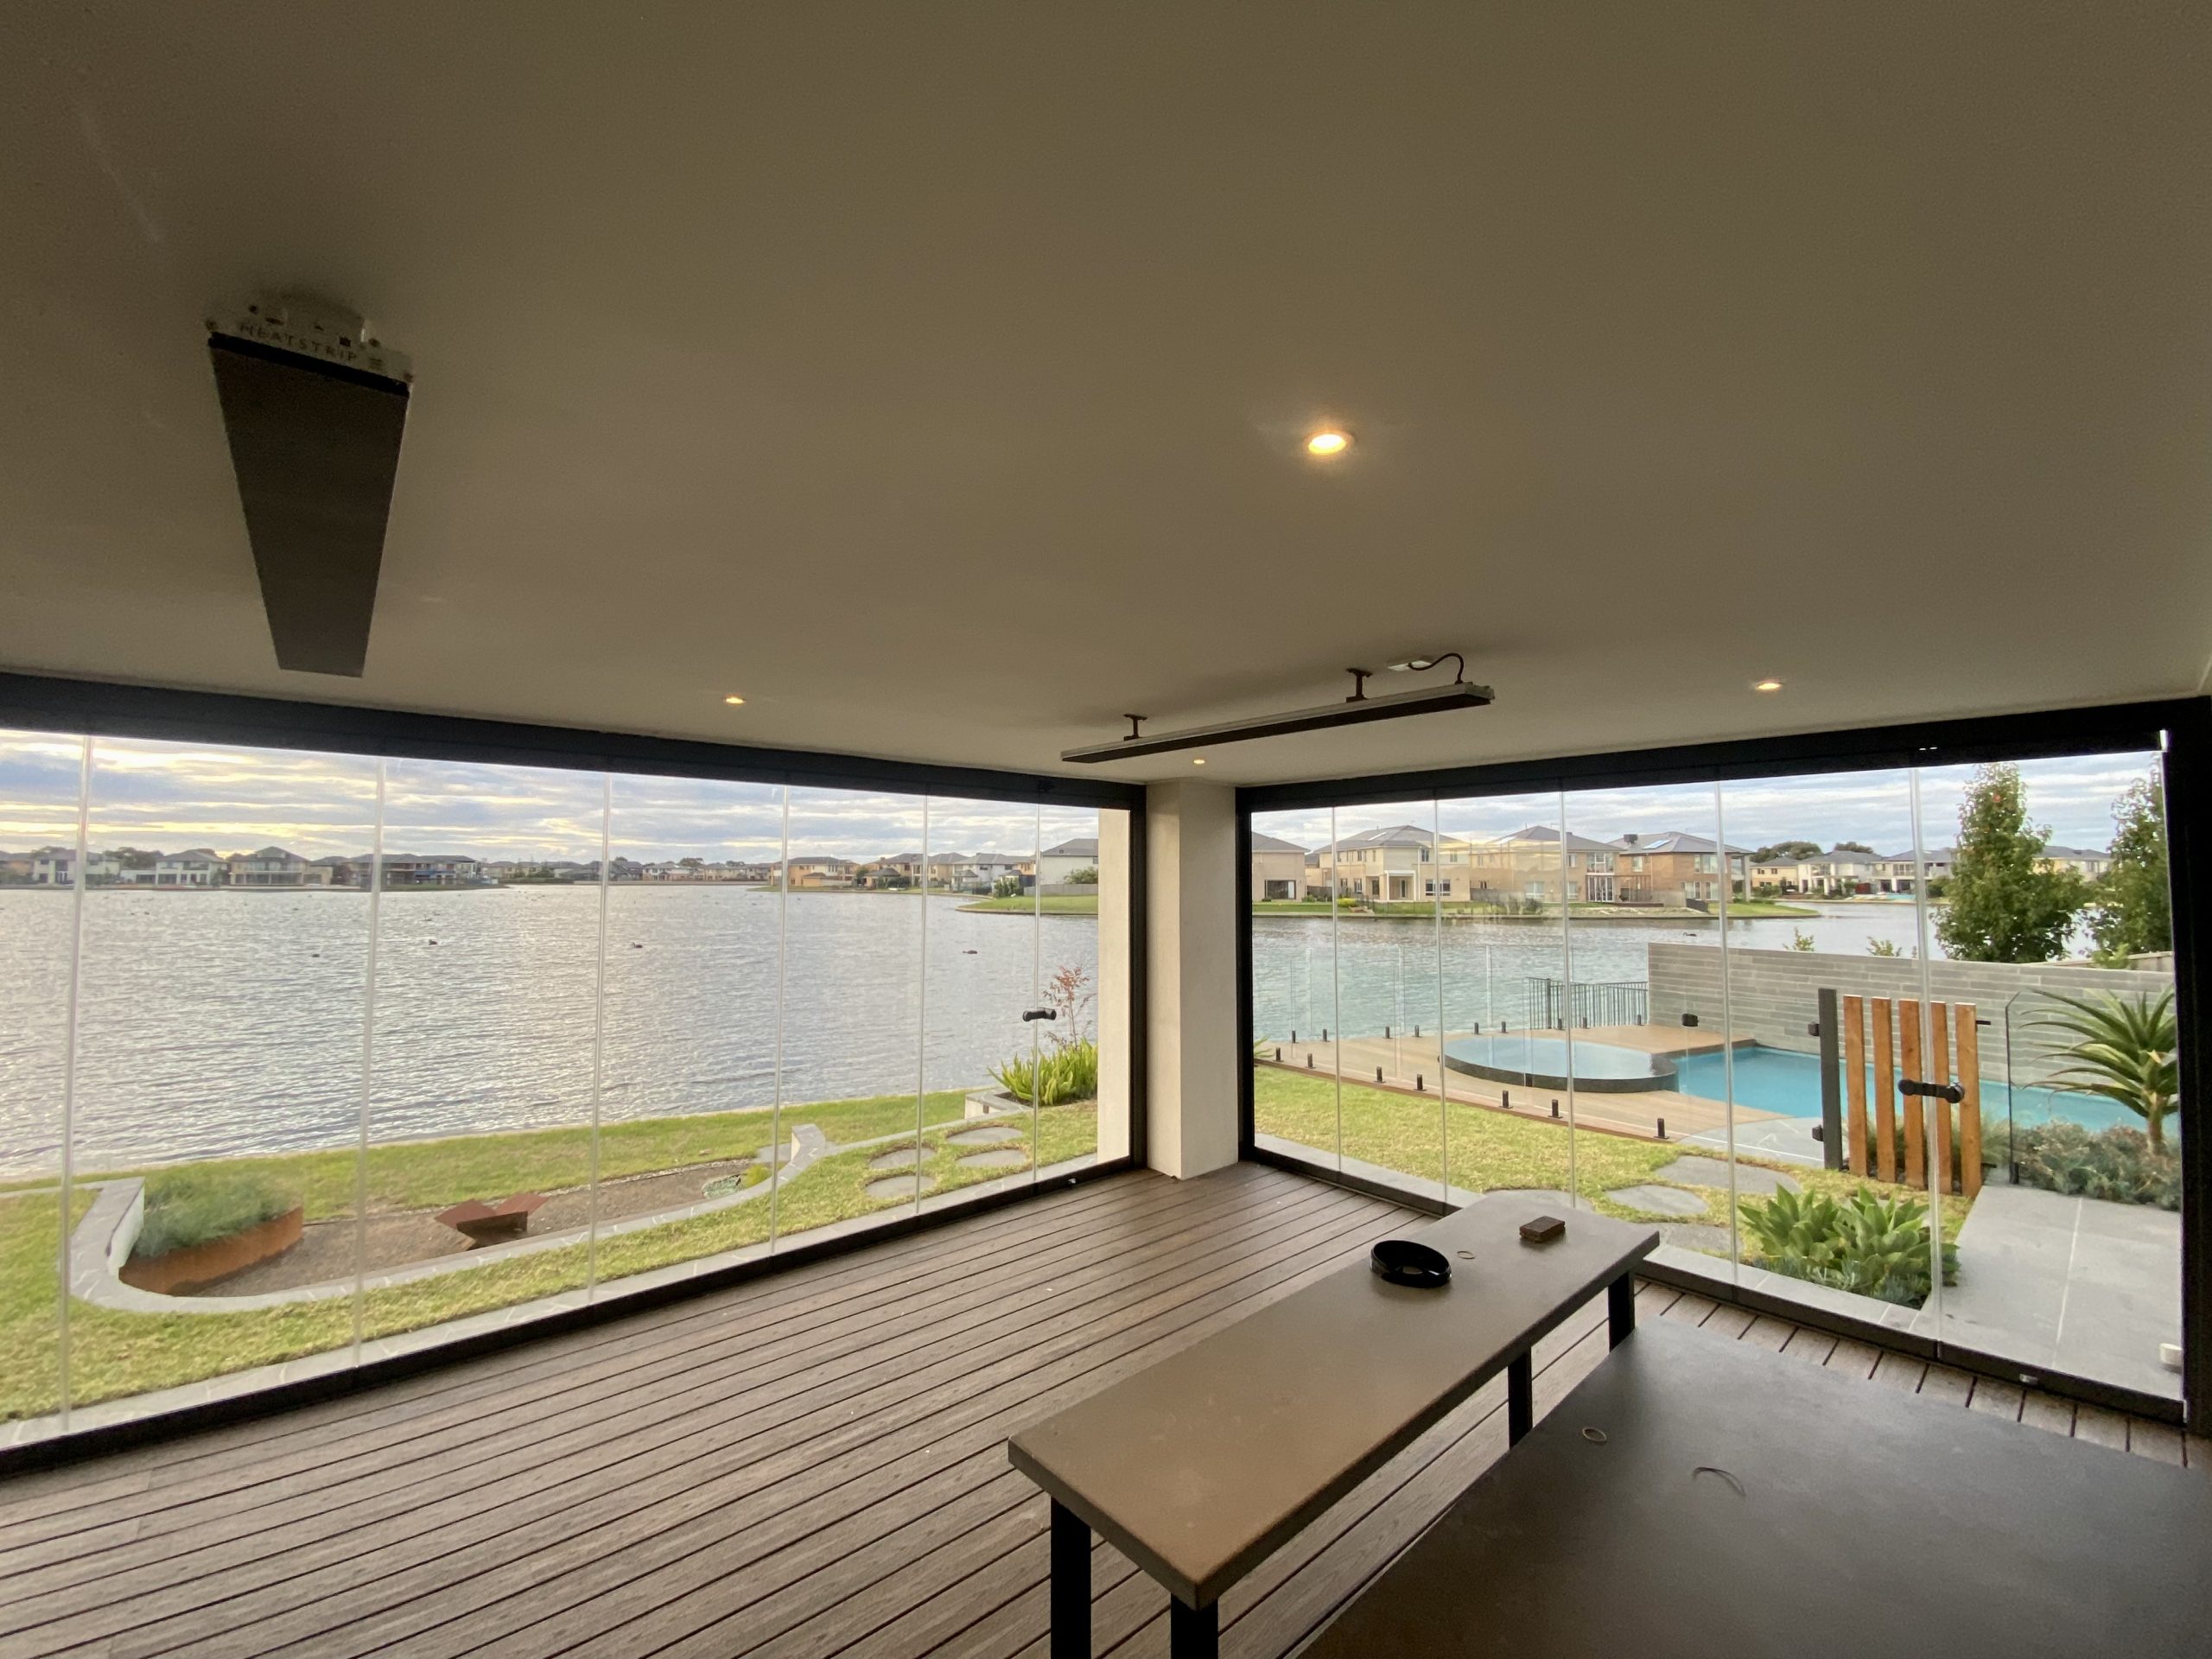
{"x": 1662, "y": 1129}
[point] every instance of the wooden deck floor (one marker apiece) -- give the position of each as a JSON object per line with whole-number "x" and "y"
{"x": 811, "y": 1464}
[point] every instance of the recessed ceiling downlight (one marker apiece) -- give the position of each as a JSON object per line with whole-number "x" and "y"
{"x": 1766, "y": 685}
{"x": 1330, "y": 441}
{"x": 733, "y": 700}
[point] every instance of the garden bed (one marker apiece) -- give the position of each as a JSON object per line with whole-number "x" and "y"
{"x": 201, "y": 1267}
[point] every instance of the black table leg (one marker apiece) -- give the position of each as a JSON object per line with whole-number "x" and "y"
{"x": 1071, "y": 1584}
{"x": 1620, "y": 1308}
{"x": 1520, "y": 1397}
{"x": 1193, "y": 1632}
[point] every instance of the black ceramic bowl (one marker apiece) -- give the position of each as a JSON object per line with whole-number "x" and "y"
{"x": 1404, "y": 1262}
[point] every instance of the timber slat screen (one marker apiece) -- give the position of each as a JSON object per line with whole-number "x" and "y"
{"x": 1923, "y": 1128}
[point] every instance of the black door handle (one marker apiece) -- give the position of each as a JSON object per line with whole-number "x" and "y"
{"x": 1027, "y": 1014}
{"x": 1949, "y": 1091}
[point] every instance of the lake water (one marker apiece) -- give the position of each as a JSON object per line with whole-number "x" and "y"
{"x": 225, "y": 1022}
{"x": 1385, "y": 973}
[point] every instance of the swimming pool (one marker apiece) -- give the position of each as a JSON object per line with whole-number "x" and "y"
{"x": 1777, "y": 1080}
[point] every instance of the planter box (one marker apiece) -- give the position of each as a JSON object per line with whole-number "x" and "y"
{"x": 197, "y": 1265}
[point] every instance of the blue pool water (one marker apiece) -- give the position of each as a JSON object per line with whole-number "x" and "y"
{"x": 1775, "y": 1080}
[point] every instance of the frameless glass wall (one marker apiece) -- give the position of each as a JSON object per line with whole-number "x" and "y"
{"x": 42, "y": 784}
{"x": 314, "y": 1058}
{"x": 1699, "y": 1006}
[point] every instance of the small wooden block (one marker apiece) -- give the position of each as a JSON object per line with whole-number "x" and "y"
{"x": 1542, "y": 1230}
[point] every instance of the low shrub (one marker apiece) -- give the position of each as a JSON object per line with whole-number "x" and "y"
{"x": 2119, "y": 1163}
{"x": 204, "y": 1202}
{"x": 1873, "y": 1245}
{"x": 1058, "y": 1076}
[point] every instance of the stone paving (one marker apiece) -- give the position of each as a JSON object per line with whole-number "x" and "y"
{"x": 900, "y": 1186}
{"x": 990, "y": 1136}
{"x": 1659, "y": 1200}
{"x": 1753, "y": 1178}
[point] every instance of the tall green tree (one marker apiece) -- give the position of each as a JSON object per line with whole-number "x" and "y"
{"x": 2132, "y": 910}
{"x": 2001, "y": 907}
{"x": 1785, "y": 850}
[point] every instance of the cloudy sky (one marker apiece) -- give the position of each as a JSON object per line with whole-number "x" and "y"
{"x": 173, "y": 796}
{"x": 2073, "y": 797}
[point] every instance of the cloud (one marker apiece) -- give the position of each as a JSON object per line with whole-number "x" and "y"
{"x": 174, "y": 795}
{"x": 2074, "y": 795}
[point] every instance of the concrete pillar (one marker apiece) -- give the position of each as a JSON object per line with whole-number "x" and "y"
{"x": 1191, "y": 955}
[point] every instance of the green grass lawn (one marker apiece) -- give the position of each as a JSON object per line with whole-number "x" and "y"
{"x": 430, "y": 1174}
{"x": 1056, "y": 904}
{"x": 1493, "y": 1150}
{"x": 113, "y": 1354}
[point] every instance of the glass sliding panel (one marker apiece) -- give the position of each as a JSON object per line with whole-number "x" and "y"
{"x": 1820, "y": 994}
{"x": 1108, "y": 929}
{"x": 222, "y": 990}
{"x": 1391, "y": 1126}
{"x": 984, "y": 972}
{"x": 854, "y": 1101}
{"x": 2049, "y": 1004}
{"x": 688, "y": 1107}
{"x": 1070, "y": 979}
{"x": 41, "y": 778}
{"x": 1294, "y": 985}
{"x": 1504, "y": 948}
{"x": 482, "y": 1123}
{"x": 1645, "y": 870}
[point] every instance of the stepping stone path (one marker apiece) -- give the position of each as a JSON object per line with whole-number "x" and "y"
{"x": 906, "y": 1158}
{"x": 900, "y": 1186}
{"x": 989, "y": 1135}
{"x": 1711, "y": 1172}
{"x": 1006, "y": 1158}
{"x": 1663, "y": 1200}
{"x": 1694, "y": 1236}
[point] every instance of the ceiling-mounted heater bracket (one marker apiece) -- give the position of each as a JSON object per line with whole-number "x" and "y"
{"x": 1356, "y": 709}
{"x": 313, "y": 405}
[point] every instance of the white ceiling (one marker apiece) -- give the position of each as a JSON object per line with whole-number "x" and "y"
{"x": 933, "y": 375}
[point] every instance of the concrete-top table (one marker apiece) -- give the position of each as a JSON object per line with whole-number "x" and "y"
{"x": 1200, "y": 1466}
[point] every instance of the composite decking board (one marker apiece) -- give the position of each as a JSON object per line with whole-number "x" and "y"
{"x": 355, "y": 1490}
{"x": 275, "y": 1581}
{"x": 673, "y": 1551}
{"x": 903, "y": 1537}
{"x": 804, "y": 1287}
{"x": 297, "y": 1603}
{"x": 490, "y": 1384}
{"x": 681, "y": 1603}
{"x": 358, "y": 1472}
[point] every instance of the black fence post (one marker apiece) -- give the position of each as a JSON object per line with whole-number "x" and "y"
{"x": 1831, "y": 1035}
